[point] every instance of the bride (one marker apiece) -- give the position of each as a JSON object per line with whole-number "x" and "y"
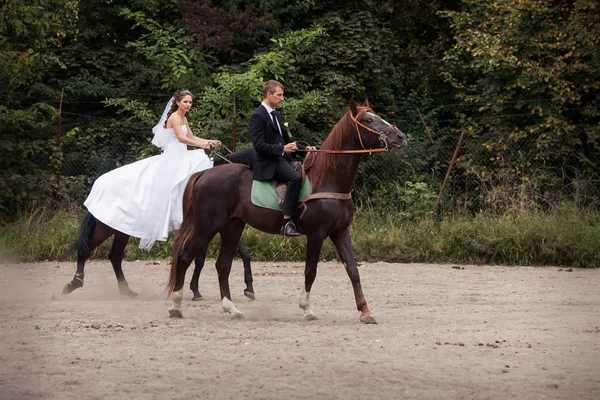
{"x": 144, "y": 199}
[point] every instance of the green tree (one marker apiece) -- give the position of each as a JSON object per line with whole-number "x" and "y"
{"x": 30, "y": 35}
{"x": 531, "y": 71}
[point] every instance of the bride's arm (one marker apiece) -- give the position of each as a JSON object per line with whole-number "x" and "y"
{"x": 203, "y": 143}
{"x": 176, "y": 122}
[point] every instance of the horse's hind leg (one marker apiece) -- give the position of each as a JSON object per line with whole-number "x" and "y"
{"x": 343, "y": 245}
{"x": 92, "y": 234}
{"x": 115, "y": 256}
{"x": 199, "y": 265}
{"x": 194, "y": 285}
{"x": 195, "y": 247}
{"x": 230, "y": 238}
{"x": 245, "y": 254}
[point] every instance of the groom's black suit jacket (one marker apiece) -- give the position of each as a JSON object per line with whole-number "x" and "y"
{"x": 268, "y": 143}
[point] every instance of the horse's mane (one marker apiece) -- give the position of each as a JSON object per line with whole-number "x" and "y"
{"x": 322, "y": 164}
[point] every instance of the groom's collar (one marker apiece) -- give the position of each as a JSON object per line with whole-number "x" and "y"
{"x": 268, "y": 108}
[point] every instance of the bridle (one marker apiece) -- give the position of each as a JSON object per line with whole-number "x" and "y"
{"x": 347, "y": 196}
{"x": 382, "y": 139}
{"x": 382, "y": 135}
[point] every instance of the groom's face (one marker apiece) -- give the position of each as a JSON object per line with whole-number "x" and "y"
{"x": 274, "y": 99}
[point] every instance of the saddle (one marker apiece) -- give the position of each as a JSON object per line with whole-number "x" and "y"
{"x": 281, "y": 187}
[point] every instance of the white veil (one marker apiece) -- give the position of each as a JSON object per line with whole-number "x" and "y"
{"x": 160, "y": 136}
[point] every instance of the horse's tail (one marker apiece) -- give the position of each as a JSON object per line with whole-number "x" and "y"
{"x": 186, "y": 231}
{"x": 86, "y": 230}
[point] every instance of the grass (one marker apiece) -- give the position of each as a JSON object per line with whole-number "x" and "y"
{"x": 566, "y": 237}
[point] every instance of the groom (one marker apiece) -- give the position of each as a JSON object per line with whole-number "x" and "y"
{"x": 271, "y": 142}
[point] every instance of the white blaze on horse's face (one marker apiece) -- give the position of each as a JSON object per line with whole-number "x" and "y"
{"x": 375, "y": 122}
{"x": 390, "y": 136}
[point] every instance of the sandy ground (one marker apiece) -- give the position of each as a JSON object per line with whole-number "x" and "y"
{"x": 444, "y": 332}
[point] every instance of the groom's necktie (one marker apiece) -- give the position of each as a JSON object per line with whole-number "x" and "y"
{"x": 276, "y": 122}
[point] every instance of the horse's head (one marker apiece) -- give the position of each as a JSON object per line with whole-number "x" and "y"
{"x": 373, "y": 131}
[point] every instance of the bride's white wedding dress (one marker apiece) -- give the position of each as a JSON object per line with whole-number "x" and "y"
{"x": 144, "y": 199}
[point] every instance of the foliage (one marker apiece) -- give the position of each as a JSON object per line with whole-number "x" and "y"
{"x": 520, "y": 77}
{"x": 569, "y": 237}
{"x": 236, "y": 29}
{"x": 167, "y": 49}
{"x": 30, "y": 34}
{"x": 531, "y": 71}
{"x": 246, "y": 85}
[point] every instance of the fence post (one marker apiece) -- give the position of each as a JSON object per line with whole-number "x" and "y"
{"x": 58, "y": 146}
{"x": 439, "y": 198}
{"x": 234, "y": 133}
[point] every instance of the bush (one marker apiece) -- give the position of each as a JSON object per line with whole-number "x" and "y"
{"x": 567, "y": 237}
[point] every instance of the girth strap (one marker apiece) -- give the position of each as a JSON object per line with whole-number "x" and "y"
{"x": 327, "y": 195}
{"x": 323, "y": 195}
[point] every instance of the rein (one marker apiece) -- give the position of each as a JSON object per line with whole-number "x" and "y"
{"x": 214, "y": 152}
{"x": 382, "y": 136}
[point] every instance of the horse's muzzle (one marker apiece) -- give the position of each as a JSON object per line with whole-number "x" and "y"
{"x": 396, "y": 139}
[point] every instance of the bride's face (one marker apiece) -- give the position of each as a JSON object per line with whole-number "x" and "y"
{"x": 185, "y": 103}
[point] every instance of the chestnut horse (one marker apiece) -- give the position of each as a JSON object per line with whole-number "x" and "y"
{"x": 218, "y": 201}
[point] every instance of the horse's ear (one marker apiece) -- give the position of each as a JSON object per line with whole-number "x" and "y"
{"x": 366, "y": 104}
{"x": 353, "y": 107}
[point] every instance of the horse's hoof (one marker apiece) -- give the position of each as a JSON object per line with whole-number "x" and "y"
{"x": 310, "y": 317}
{"x": 175, "y": 313}
{"x": 125, "y": 291}
{"x": 197, "y": 297}
{"x": 237, "y": 316}
{"x": 249, "y": 295}
{"x": 69, "y": 287}
{"x": 129, "y": 293}
{"x": 367, "y": 319}
{"x": 75, "y": 283}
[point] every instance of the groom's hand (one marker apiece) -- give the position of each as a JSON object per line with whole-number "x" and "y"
{"x": 290, "y": 147}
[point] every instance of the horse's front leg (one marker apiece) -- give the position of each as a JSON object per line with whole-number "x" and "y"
{"x": 343, "y": 244}
{"x": 313, "y": 250}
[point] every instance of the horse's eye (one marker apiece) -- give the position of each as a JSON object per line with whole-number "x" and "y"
{"x": 369, "y": 120}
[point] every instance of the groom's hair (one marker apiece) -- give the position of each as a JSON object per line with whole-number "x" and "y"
{"x": 270, "y": 87}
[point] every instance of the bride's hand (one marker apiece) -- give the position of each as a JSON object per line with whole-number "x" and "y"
{"x": 213, "y": 143}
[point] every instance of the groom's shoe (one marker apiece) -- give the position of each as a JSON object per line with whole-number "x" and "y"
{"x": 288, "y": 229}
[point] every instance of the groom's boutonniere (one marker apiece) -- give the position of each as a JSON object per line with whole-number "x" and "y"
{"x": 286, "y": 128}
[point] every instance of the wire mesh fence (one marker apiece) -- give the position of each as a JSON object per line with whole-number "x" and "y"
{"x": 474, "y": 177}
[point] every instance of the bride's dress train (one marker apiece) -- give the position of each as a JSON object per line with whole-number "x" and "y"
{"x": 144, "y": 199}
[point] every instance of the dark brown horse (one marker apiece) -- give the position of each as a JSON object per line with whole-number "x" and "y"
{"x": 218, "y": 201}
{"x": 92, "y": 233}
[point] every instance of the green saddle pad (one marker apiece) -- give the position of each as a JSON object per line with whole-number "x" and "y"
{"x": 264, "y": 194}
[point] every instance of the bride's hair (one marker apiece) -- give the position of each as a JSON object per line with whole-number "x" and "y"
{"x": 178, "y": 95}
